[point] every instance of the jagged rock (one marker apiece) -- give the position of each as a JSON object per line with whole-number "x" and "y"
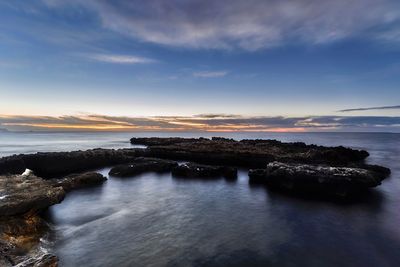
{"x": 22, "y": 198}
{"x": 20, "y": 242}
{"x": 75, "y": 181}
{"x": 247, "y": 153}
{"x": 20, "y": 194}
{"x": 141, "y": 165}
{"x": 324, "y": 180}
{"x": 43, "y": 260}
{"x": 193, "y": 170}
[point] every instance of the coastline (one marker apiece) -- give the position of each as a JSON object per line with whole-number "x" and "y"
{"x": 220, "y": 151}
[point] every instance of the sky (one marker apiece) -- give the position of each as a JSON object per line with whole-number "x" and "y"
{"x": 254, "y": 65}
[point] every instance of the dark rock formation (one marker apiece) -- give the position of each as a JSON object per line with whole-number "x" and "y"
{"x": 193, "y": 170}
{"x": 246, "y": 153}
{"x": 216, "y": 151}
{"x": 75, "y": 181}
{"x": 157, "y": 141}
{"x": 22, "y": 198}
{"x": 52, "y": 164}
{"x": 20, "y": 242}
{"x": 20, "y": 194}
{"x": 318, "y": 179}
{"x": 12, "y": 165}
{"x": 140, "y": 165}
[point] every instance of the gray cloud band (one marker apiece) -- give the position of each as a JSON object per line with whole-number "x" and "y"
{"x": 203, "y": 122}
{"x": 250, "y": 25}
{"x": 371, "y": 108}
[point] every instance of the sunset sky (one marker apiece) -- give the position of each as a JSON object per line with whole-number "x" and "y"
{"x": 304, "y": 65}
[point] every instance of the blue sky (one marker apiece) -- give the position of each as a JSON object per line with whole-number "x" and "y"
{"x": 251, "y": 59}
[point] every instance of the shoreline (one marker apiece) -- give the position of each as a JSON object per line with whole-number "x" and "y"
{"x": 53, "y": 173}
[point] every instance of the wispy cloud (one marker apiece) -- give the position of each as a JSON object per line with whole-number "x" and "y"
{"x": 250, "y": 25}
{"x": 210, "y": 74}
{"x": 119, "y": 59}
{"x": 205, "y": 122}
{"x": 370, "y": 108}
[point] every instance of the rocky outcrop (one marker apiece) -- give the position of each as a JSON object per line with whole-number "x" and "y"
{"x": 140, "y": 165}
{"x": 215, "y": 151}
{"x": 22, "y": 198}
{"x": 53, "y": 164}
{"x": 246, "y": 153}
{"x": 75, "y": 181}
{"x": 193, "y": 170}
{"x": 317, "y": 179}
{"x": 20, "y": 194}
{"x": 20, "y": 242}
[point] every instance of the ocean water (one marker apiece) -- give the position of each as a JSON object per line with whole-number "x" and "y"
{"x": 159, "y": 220}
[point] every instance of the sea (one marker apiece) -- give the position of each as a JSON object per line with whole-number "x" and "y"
{"x": 158, "y": 220}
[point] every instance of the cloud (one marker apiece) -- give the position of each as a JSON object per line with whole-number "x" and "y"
{"x": 370, "y": 108}
{"x": 119, "y": 59}
{"x": 215, "y": 115}
{"x": 206, "y": 122}
{"x": 249, "y": 25}
{"x": 210, "y": 74}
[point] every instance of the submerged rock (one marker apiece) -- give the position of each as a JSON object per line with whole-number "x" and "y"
{"x": 319, "y": 179}
{"x": 141, "y": 165}
{"x": 193, "y": 170}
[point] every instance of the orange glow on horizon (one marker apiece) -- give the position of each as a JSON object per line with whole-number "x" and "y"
{"x": 192, "y": 127}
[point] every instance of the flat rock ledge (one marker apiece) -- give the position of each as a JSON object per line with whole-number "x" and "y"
{"x": 55, "y": 164}
{"x": 246, "y": 153}
{"x": 22, "y": 199}
{"x": 318, "y": 179}
{"x": 141, "y": 165}
{"x": 194, "y": 170}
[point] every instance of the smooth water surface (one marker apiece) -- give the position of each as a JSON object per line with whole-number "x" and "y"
{"x": 159, "y": 220}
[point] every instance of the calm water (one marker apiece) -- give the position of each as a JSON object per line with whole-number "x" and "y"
{"x": 157, "y": 220}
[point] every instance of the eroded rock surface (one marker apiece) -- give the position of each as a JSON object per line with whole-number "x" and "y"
{"x": 193, "y": 170}
{"x": 22, "y": 198}
{"x": 20, "y": 242}
{"x": 140, "y": 165}
{"x": 20, "y": 194}
{"x": 306, "y": 178}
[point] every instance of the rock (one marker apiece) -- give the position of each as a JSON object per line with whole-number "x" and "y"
{"x": 22, "y": 198}
{"x": 53, "y": 164}
{"x": 20, "y": 241}
{"x": 319, "y": 179}
{"x": 20, "y": 194}
{"x": 12, "y": 165}
{"x": 154, "y": 141}
{"x": 193, "y": 170}
{"x": 215, "y": 151}
{"x": 75, "y": 181}
{"x": 141, "y": 165}
{"x": 246, "y": 153}
{"x": 42, "y": 260}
